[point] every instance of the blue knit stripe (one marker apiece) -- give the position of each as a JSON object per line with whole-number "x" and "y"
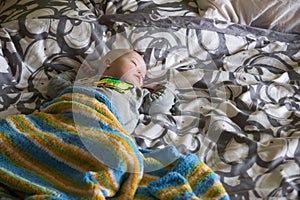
{"x": 172, "y": 186}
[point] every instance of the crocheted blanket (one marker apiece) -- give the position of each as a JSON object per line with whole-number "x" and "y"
{"x": 76, "y": 148}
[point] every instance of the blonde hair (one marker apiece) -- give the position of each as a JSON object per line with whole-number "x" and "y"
{"x": 111, "y": 56}
{"x": 115, "y": 53}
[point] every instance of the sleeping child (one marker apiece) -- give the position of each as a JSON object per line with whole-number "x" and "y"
{"x": 48, "y": 154}
{"x": 123, "y": 72}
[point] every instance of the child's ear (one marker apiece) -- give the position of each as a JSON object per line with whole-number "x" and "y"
{"x": 107, "y": 62}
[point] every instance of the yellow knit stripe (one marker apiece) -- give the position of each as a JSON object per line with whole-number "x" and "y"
{"x": 13, "y": 180}
{"x": 108, "y": 182}
{"x": 171, "y": 192}
{"x": 27, "y": 162}
{"x": 147, "y": 178}
{"x": 216, "y": 191}
{"x": 130, "y": 185}
{"x": 143, "y": 197}
{"x": 195, "y": 198}
{"x": 199, "y": 174}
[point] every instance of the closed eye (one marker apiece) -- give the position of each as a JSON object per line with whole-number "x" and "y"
{"x": 135, "y": 64}
{"x": 134, "y": 61}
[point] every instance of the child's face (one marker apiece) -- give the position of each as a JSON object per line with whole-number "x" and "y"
{"x": 129, "y": 67}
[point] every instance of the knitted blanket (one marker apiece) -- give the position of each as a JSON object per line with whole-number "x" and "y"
{"x": 76, "y": 148}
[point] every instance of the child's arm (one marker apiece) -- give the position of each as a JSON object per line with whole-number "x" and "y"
{"x": 60, "y": 82}
{"x": 160, "y": 99}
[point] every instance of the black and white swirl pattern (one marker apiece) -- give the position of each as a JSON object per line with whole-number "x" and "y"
{"x": 237, "y": 87}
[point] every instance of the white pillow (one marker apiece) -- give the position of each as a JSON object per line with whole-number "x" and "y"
{"x": 280, "y": 15}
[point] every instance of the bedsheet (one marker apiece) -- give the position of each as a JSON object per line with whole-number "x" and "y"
{"x": 237, "y": 86}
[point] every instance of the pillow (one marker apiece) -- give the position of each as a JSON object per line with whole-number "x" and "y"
{"x": 278, "y": 15}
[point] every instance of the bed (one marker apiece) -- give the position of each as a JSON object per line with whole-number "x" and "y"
{"x": 235, "y": 66}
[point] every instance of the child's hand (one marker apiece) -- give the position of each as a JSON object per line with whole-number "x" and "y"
{"x": 161, "y": 98}
{"x": 155, "y": 86}
{"x": 151, "y": 86}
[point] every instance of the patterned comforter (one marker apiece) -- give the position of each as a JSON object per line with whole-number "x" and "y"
{"x": 237, "y": 86}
